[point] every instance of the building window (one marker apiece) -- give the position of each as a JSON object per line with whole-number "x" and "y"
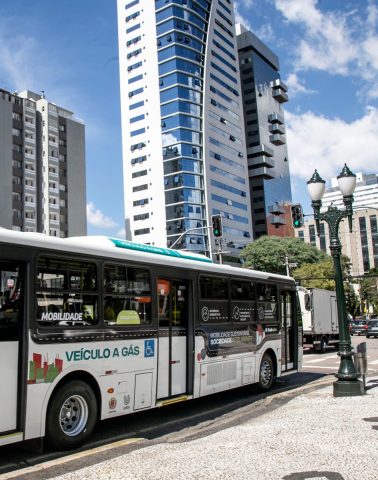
{"x": 322, "y": 238}
{"x": 364, "y": 244}
{"x": 142, "y": 231}
{"x": 139, "y": 188}
{"x": 312, "y": 235}
{"x": 374, "y": 238}
{"x": 134, "y": 133}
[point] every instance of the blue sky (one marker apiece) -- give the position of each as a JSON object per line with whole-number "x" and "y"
{"x": 328, "y": 53}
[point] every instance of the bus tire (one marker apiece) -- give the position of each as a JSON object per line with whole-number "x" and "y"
{"x": 71, "y": 415}
{"x": 266, "y": 373}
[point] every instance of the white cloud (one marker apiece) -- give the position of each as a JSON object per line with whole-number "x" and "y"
{"x": 97, "y": 219}
{"x": 296, "y": 87}
{"x": 326, "y": 144}
{"x": 337, "y": 42}
{"x": 121, "y": 233}
{"x": 328, "y": 41}
{"x": 265, "y": 33}
{"x": 239, "y": 6}
{"x": 17, "y": 70}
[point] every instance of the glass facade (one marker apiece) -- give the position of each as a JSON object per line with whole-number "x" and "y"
{"x": 181, "y": 40}
{"x": 264, "y": 118}
{"x": 182, "y": 129}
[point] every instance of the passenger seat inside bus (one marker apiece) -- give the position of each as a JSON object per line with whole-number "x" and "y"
{"x": 128, "y": 317}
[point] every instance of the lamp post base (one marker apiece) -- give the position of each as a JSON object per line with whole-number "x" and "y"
{"x": 348, "y": 388}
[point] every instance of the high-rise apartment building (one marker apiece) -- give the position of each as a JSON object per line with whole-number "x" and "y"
{"x": 365, "y": 194}
{"x": 360, "y": 246}
{"x": 268, "y": 168}
{"x": 183, "y": 136}
{"x": 42, "y": 161}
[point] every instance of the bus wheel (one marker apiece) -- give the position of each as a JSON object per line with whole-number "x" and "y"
{"x": 71, "y": 415}
{"x": 266, "y": 374}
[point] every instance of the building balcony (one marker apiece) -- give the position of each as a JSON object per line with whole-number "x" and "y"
{"x": 261, "y": 161}
{"x": 276, "y": 118}
{"x": 259, "y": 150}
{"x": 278, "y": 84}
{"x": 262, "y": 172}
{"x": 277, "y": 220}
{"x": 276, "y": 209}
{"x": 280, "y": 95}
{"x": 277, "y": 128}
{"x": 277, "y": 139}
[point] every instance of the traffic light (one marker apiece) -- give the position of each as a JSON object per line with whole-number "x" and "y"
{"x": 217, "y": 225}
{"x": 297, "y": 215}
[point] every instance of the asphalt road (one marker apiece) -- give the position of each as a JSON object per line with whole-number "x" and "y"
{"x": 328, "y": 362}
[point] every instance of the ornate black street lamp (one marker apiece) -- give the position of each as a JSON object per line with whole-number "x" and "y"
{"x": 347, "y": 383}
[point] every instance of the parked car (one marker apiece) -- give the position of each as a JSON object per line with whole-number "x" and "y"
{"x": 372, "y": 328}
{"x": 358, "y": 326}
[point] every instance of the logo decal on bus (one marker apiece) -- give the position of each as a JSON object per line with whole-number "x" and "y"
{"x": 41, "y": 371}
{"x": 149, "y": 348}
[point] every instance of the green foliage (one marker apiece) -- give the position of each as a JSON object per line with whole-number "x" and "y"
{"x": 369, "y": 290}
{"x": 352, "y": 301}
{"x": 316, "y": 275}
{"x": 320, "y": 274}
{"x": 268, "y": 253}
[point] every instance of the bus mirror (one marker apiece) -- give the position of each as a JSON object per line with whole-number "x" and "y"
{"x": 307, "y": 300}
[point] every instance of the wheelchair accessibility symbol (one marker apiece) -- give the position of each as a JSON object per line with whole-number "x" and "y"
{"x": 149, "y": 348}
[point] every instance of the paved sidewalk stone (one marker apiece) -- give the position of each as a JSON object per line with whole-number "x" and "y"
{"x": 313, "y": 436}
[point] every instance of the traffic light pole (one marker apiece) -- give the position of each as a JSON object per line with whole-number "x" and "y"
{"x": 219, "y": 252}
{"x": 187, "y": 231}
{"x": 218, "y": 241}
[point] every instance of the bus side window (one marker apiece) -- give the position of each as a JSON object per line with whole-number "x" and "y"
{"x": 127, "y": 299}
{"x": 66, "y": 292}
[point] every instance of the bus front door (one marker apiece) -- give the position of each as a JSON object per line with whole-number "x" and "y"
{"x": 11, "y": 313}
{"x": 173, "y": 330}
{"x": 288, "y": 331}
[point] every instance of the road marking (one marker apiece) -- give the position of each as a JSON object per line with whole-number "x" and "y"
{"x": 374, "y": 362}
{"x": 323, "y": 359}
{"x": 319, "y": 366}
{"x": 69, "y": 458}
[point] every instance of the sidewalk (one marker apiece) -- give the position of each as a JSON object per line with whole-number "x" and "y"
{"x": 314, "y": 435}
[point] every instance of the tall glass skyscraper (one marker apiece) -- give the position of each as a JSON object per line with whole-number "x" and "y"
{"x": 183, "y": 137}
{"x": 263, "y": 95}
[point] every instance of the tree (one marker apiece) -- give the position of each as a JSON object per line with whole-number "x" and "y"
{"x": 316, "y": 275}
{"x": 321, "y": 274}
{"x": 268, "y": 253}
{"x": 369, "y": 290}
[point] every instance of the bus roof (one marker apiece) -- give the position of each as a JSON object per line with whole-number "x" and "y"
{"x": 121, "y": 249}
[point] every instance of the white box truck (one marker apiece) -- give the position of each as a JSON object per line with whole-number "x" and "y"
{"x": 319, "y": 317}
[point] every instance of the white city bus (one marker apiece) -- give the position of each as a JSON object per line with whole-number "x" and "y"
{"x": 94, "y": 328}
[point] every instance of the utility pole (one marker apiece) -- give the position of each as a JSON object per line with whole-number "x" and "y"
{"x": 289, "y": 265}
